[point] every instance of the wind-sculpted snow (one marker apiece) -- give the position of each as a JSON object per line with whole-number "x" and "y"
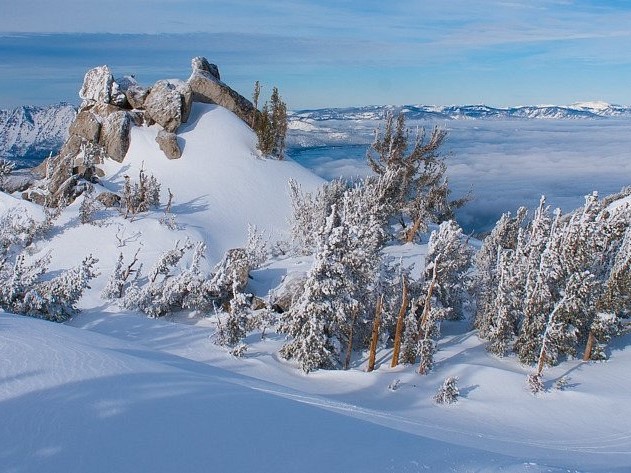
{"x": 77, "y": 401}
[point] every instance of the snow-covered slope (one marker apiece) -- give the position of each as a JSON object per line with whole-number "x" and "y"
{"x": 220, "y": 184}
{"x": 76, "y": 401}
{"x": 31, "y": 133}
{"x": 127, "y": 393}
{"x": 146, "y": 395}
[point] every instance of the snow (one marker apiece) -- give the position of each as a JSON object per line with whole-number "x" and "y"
{"x": 220, "y": 183}
{"x": 115, "y": 391}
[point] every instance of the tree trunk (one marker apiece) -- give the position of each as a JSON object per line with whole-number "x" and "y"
{"x": 424, "y": 330}
{"x": 427, "y": 307}
{"x": 374, "y": 339}
{"x": 349, "y": 347}
{"x": 411, "y": 232}
{"x": 544, "y": 342}
{"x": 590, "y": 346}
{"x": 399, "y": 330}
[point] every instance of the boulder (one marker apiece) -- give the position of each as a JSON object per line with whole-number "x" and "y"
{"x": 202, "y": 65}
{"x": 125, "y": 82}
{"x": 208, "y": 89}
{"x": 118, "y": 97}
{"x": 164, "y": 105}
{"x": 97, "y": 86}
{"x": 17, "y": 182}
{"x": 115, "y": 135}
{"x": 86, "y": 125}
{"x": 109, "y": 199}
{"x": 136, "y": 96}
{"x": 168, "y": 144}
{"x": 288, "y": 291}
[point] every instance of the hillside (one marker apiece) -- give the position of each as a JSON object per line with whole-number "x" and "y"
{"x": 114, "y": 390}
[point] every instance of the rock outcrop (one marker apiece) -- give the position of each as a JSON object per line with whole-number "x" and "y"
{"x": 208, "y": 88}
{"x": 109, "y": 109}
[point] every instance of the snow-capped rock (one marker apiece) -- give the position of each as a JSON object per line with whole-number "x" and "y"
{"x": 207, "y": 88}
{"x": 97, "y": 86}
{"x": 164, "y": 105}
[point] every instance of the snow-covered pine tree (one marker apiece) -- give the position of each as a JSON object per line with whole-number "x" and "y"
{"x": 537, "y": 270}
{"x": 336, "y": 292}
{"x": 309, "y": 212}
{"x": 256, "y": 247}
{"x": 420, "y": 189}
{"x": 617, "y": 294}
{"x": 451, "y": 253}
{"x": 6, "y": 168}
{"x": 56, "y": 298}
{"x": 89, "y": 205}
{"x": 17, "y": 278}
{"x": 140, "y": 196}
{"x": 235, "y": 326}
{"x": 310, "y": 322}
{"x": 162, "y": 291}
{"x": 411, "y": 332}
{"x": 506, "y": 306}
{"x": 448, "y": 393}
{"x": 24, "y": 292}
{"x": 561, "y": 335}
{"x": 504, "y": 236}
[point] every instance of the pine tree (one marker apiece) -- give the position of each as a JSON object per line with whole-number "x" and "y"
{"x": 505, "y": 307}
{"x": 235, "y": 327}
{"x": 419, "y": 190}
{"x": 448, "y": 250}
{"x": 311, "y": 321}
{"x": 448, "y": 392}
{"x": 335, "y": 295}
{"x": 504, "y": 236}
{"x": 271, "y": 124}
{"x": 539, "y": 275}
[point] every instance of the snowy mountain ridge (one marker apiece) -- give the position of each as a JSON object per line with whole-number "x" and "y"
{"x": 32, "y": 133}
{"x": 578, "y": 110}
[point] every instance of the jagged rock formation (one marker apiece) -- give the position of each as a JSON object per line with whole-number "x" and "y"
{"x": 109, "y": 109}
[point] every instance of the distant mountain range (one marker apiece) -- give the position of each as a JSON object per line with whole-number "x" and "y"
{"x": 28, "y": 134}
{"x": 581, "y": 110}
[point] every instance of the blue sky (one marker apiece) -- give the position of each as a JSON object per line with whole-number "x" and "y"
{"x": 329, "y": 52}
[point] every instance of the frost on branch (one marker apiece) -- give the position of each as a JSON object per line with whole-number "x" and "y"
{"x": 23, "y": 291}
